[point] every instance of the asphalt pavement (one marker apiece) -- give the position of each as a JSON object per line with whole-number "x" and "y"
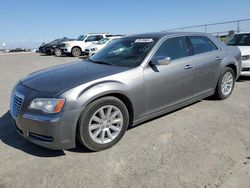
{"x": 206, "y": 144}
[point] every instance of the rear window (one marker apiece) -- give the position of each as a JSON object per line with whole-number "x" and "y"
{"x": 201, "y": 44}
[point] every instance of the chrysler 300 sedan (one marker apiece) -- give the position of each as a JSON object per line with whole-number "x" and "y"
{"x": 129, "y": 81}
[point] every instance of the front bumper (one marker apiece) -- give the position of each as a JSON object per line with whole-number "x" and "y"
{"x": 49, "y": 50}
{"x": 245, "y": 68}
{"x": 65, "y": 49}
{"x": 42, "y": 50}
{"x": 53, "y": 131}
{"x": 89, "y": 52}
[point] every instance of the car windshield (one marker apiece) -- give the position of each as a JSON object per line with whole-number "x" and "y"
{"x": 126, "y": 52}
{"x": 240, "y": 40}
{"x": 55, "y": 41}
{"x": 59, "y": 40}
{"x": 82, "y": 37}
{"x": 103, "y": 41}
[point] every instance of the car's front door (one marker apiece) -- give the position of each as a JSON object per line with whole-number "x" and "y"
{"x": 172, "y": 84}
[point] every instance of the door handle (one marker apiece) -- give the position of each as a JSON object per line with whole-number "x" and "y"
{"x": 188, "y": 67}
{"x": 218, "y": 58}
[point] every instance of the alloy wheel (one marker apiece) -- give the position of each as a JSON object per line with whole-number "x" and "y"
{"x": 58, "y": 52}
{"x": 76, "y": 52}
{"x": 105, "y": 124}
{"x": 227, "y": 83}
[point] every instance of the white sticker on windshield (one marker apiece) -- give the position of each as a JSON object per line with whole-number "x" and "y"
{"x": 143, "y": 40}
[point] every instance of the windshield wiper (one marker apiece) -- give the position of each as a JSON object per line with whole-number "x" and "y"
{"x": 100, "y": 62}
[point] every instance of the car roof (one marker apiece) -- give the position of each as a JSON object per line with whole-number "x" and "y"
{"x": 97, "y": 33}
{"x": 242, "y": 33}
{"x": 163, "y": 34}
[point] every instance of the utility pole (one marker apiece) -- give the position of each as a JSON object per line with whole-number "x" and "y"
{"x": 238, "y": 26}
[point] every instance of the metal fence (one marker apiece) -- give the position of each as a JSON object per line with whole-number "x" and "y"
{"x": 218, "y": 28}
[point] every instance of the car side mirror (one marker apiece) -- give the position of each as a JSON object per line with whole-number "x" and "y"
{"x": 161, "y": 60}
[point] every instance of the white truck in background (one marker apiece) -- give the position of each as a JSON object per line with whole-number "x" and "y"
{"x": 76, "y": 47}
{"x": 96, "y": 46}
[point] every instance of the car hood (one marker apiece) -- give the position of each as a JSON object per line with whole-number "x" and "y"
{"x": 245, "y": 50}
{"x": 64, "y": 77}
{"x": 98, "y": 46}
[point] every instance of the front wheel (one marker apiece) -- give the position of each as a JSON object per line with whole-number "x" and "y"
{"x": 58, "y": 52}
{"x": 103, "y": 123}
{"x": 225, "y": 84}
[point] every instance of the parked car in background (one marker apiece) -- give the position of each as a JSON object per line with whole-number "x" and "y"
{"x": 242, "y": 41}
{"x": 17, "y": 50}
{"x": 223, "y": 37}
{"x": 76, "y": 47}
{"x": 52, "y": 48}
{"x": 131, "y": 80}
{"x": 4, "y": 50}
{"x": 96, "y": 46}
{"x": 42, "y": 47}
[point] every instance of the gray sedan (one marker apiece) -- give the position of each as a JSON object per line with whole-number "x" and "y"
{"x": 131, "y": 80}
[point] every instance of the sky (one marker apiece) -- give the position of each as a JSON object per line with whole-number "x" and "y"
{"x": 27, "y": 23}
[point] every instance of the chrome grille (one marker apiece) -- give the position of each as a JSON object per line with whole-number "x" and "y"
{"x": 16, "y": 104}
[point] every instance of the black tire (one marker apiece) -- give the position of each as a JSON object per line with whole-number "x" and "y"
{"x": 83, "y": 134}
{"x": 76, "y": 51}
{"x": 218, "y": 92}
{"x": 57, "y": 52}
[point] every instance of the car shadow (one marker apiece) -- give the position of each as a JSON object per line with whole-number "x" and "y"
{"x": 63, "y": 55}
{"x": 45, "y": 54}
{"x": 10, "y": 137}
{"x": 243, "y": 79}
{"x": 83, "y": 57}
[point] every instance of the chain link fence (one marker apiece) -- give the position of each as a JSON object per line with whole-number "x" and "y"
{"x": 220, "y": 28}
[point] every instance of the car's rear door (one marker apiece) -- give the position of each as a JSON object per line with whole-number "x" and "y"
{"x": 207, "y": 58}
{"x": 172, "y": 84}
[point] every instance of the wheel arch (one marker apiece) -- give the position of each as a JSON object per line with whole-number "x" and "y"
{"x": 121, "y": 96}
{"x": 127, "y": 102}
{"x": 76, "y": 47}
{"x": 233, "y": 66}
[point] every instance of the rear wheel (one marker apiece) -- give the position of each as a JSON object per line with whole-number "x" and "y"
{"x": 103, "y": 123}
{"x": 76, "y": 52}
{"x": 225, "y": 84}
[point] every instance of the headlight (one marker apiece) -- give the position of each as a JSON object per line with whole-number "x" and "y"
{"x": 245, "y": 57}
{"x": 93, "y": 49}
{"x": 48, "y": 105}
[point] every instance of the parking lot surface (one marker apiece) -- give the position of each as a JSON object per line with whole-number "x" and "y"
{"x": 206, "y": 144}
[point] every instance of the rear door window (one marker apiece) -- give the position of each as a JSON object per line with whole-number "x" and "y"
{"x": 91, "y": 38}
{"x": 175, "y": 48}
{"x": 99, "y": 37}
{"x": 201, "y": 44}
